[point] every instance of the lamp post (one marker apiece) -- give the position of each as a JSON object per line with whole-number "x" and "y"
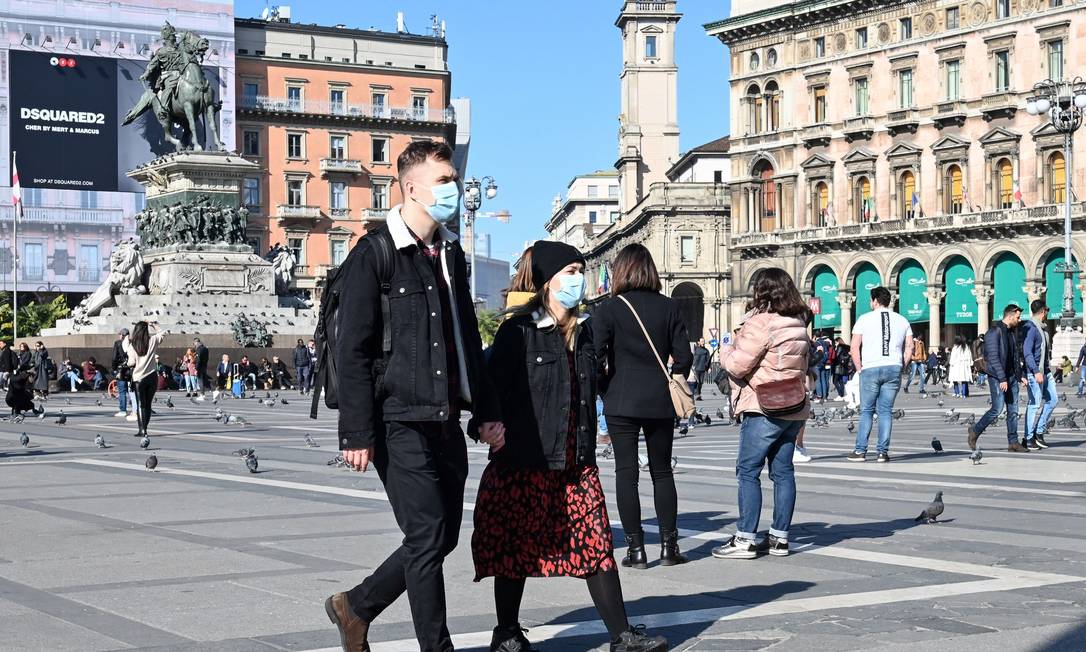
{"x": 1063, "y": 103}
{"x": 473, "y": 201}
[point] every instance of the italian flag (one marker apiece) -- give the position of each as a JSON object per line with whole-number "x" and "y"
{"x": 16, "y": 189}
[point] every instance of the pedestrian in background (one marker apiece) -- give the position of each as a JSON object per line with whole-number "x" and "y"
{"x": 842, "y": 368}
{"x": 1040, "y": 383}
{"x": 202, "y": 354}
{"x": 1064, "y": 370}
{"x": 313, "y": 359}
{"x": 303, "y": 369}
{"x": 25, "y": 357}
{"x": 979, "y": 365}
{"x": 768, "y": 365}
{"x": 542, "y": 478}
{"x": 44, "y": 369}
{"x": 636, "y": 397}
{"x": 140, "y": 349}
{"x": 881, "y": 342}
{"x": 961, "y": 367}
{"x": 521, "y": 289}
{"x": 122, "y": 374}
{"x": 823, "y": 367}
{"x": 191, "y": 373}
{"x": 8, "y": 363}
{"x": 917, "y": 364}
{"x": 1004, "y": 375}
{"x": 92, "y": 373}
{"x": 701, "y": 366}
{"x": 224, "y": 373}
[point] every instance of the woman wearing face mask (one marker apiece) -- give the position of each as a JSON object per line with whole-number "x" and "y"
{"x": 636, "y": 397}
{"x": 541, "y": 511}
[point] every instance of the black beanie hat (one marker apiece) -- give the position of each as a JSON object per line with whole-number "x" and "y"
{"x": 549, "y": 258}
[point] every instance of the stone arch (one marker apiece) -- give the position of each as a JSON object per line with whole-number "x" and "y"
{"x": 753, "y": 270}
{"x": 759, "y": 158}
{"x": 987, "y": 262}
{"x": 1037, "y": 263}
{"x": 855, "y": 264}
{"x": 899, "y": 260}
{"x": 807, "y": 277}
{"x": 943, "y": 259}
{"x": 691, "y": 300}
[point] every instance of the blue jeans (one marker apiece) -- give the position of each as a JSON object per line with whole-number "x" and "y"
{"x": 192, "y": 383}
{"x": 1042, "y": 402}
{"x": 73, "y": 378}
{"x": 1082, "y": 380}
{"x": 304, "y": 374}
{"x": 601, "y": 422}
{"x": 916, "y": 369}
{"x": 1000, "y": 398}
{"x": 839, "y": 384}
{"x": 878, "y": 390}
{"x": 823, "y": 388}
{"x": 122, "y": 395}
{"x": 763, "y": 439}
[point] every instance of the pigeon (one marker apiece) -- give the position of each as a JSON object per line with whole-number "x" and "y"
{"x": 940, "y": 403}
{"x": 62, "y": 419}
{"x": 607, "y": 453}
{"x": 720, "y": 414}
{"x": 1063, "y": 397}
{"x": 851, "y": 426}
{"x": 251, "y": 463}
{"x": 976, "y": 456}
{"x": 283, "y": 401}
{"x": 932, "y": 512}
{"x": 98, "y": 402}
{"x": 145, "y": 442}
{"x": 970, "y": 420}
{"x": 24, "y": 439}
{"x": 99, "y": 441}
{"x": 67, "y": 401}
{"x": 267, "y": 394}
{"x": 899, "y": 414}
{"x": 269, "y": 402}
{"x": 169, "y": 402}
{"x": 936, "y": 445}
{"x": 151, "y": 462}
{"x": 245, "y": 452}
{"x": 191, "y": 400}
{"x": 337, "y": 461}
{"x": 309, "y": 443}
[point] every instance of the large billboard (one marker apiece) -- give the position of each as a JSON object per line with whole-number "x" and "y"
{"x": 66, "y": 115}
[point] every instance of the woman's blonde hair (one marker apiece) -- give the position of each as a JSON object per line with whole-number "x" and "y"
{"x": 522, "y": 280}
{"x": 539, "y": 302}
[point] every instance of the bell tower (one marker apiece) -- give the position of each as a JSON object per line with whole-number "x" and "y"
{"x": 648, "y": 140}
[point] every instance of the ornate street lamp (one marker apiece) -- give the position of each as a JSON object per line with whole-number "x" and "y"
{"x": 473, "y": 201}
{"x": 1063, "y": 103}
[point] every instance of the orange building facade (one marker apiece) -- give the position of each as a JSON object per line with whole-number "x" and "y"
{"x": 325, "y": 112}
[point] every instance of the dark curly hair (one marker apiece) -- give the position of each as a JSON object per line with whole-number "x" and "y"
{"x": 774, "y": 291}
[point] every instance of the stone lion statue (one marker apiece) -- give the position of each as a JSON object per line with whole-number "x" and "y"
{"x": 283, "y": 262}
{"x": 126, "y": 270}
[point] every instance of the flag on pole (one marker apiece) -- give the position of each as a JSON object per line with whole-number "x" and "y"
{"x": 915, "y": 204}
{"x": 16, "y": 189}
{"x": 965, "y": 199}
{"x": 1018, "y": 194}
{"x": 867, "y": 209}
{"x": 604, "y": 285}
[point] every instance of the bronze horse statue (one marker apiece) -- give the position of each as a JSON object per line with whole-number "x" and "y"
{"x": 191, "y": 98}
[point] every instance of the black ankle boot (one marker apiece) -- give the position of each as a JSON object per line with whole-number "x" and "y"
{"x": 510, "y": 639}
{"x": 636, "y": 640}
{"x": 669, "y": 549}
{"x": 635, "y": 551}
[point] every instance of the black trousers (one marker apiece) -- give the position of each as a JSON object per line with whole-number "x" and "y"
{"x": 659, "y": 435}
{"x": 145, "y": 393}
{"x": 423, "y": 467}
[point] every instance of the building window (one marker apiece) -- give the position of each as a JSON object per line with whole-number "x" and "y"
{"x": 905, "y": 30}
{"x": 865, "y": 203}
{"x": 295, "y": 192}
{"x": 1057, "y": 178}
{"x": 764, "y": 197}
{"x": 718, "y": 176}
{"x": 31, "y": 197}
{"x": 822, "y": 204}
{"x": 686, "y": 248}
{"x": 249, "y": 93}
{"x": 339, "y": 251}
{"x": 1006, "y": 183}
{"x": 380, "y": 150}
{"x": 820, "y": 46}
{"x": 337, "y": 147}
{"x": 294, "y": 97}
{"x": 906, "y": 192}
{"x": 250, "y": 192}
{"x": 1055, "y": 3}
{"x": 337, "y": 97}
{"x": 251, "y": 143}
{"x": 593, "y": 191}
{"x": 612, "y": 192}
{"x": 380, "y": 195}
{"x": 614, "y": 217}
{"x": 1002, "y": 70}
{"x": 1003, "y": 8}
{"x": 861, "y": 96}
{"x": 754, "y": 110}
{"x": 861, "y": 38}
{"x": 338, "y": 198}
{"x": 294, "y": 146}
{"x": 592, "y": 217}
{"x": 650, "y": 47}
{"x": 378, "y": 101}
{"x": 820, "y": 104}
{"x": 755, "y": 61}
{"x": 773, "y": 100}
{"x": 88, "y": 199}
{"x": 953, "y": 80}
{"x": 88, "y": 263}
{"x": 1055, "y": 60}
{"x": 771, "y": 58}
{"x": 418, "y": 106}
{"x": 33, "y": 261}
{"x": 905, "y": 88}
{"x": 297, "y": 247}
{"x": 952, "y": 18}
{"x": 953, "y": 189}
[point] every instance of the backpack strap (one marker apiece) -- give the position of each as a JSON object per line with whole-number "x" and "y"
{"x": 383, "y": 248}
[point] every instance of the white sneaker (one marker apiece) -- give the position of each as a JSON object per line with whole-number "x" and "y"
{"x": 121, "y": 413}
{"x": 800, "y": 456}
{"x": 131, "y": 417}
{"x": 839, "y": 398}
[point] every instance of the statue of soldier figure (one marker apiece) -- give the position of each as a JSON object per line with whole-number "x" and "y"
{"x": 178, "y": 92}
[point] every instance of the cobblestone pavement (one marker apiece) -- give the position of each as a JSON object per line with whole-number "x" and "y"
{"x": 96, "y": 553}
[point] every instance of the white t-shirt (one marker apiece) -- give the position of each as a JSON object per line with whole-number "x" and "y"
{"x": 883, "y": 332}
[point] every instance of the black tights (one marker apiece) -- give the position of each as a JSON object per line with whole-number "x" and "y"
{"x": 659, "y": 436}
{"x": 604, "y": 587}
{"x": 145, "y": 392}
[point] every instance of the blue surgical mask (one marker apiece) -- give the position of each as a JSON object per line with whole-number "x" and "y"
{"x": 572, "y": 290}
{"x": 446, "y": 201}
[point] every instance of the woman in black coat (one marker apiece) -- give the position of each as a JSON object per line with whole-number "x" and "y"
{"x": 25, "y": 357}
{"x": 41, "y": 363}
{"x": 636, "y": 396}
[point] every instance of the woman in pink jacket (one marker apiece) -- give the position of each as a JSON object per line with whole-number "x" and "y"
{"x": 767, "y": 364}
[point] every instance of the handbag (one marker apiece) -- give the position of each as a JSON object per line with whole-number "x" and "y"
{"x": 780, "y": 398}
{"x": 681, "y": 398}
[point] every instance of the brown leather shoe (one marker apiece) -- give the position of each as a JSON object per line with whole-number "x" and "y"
{"x": 352, "y": 629}
{"x": 1015, "y": 447}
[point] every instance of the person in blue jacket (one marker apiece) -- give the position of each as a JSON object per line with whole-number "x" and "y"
{"x": 1004, "y": 375}
{"x": 1037, "y": 358}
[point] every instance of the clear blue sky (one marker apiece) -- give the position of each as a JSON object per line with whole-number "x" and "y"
{"x": 543, "y": 82}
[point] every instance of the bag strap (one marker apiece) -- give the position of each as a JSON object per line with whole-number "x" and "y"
{"x": 648, "y": 339}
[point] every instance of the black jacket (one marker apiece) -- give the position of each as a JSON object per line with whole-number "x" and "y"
{"x": 26, "y": 360}
{"x": 701, "y": 357}
{"x": 8, "y": 361}
{"x": 1001, "y": 353}
{"x": 634, "y": 385}
{"x": 415, "y": 385}
{"x": 530, "y": 369}
{"x": 301, "y": 356}
{"x": 120, "y": 358}
{"x": 201, "y": 359}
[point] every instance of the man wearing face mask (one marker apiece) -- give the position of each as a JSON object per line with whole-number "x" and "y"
{"x": 401, "y": 410}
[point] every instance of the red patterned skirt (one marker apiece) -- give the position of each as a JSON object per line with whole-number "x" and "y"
{"x": 541, "y": 523}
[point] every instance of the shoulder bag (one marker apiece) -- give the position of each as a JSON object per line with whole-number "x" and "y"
{"x": 681, "y": 398}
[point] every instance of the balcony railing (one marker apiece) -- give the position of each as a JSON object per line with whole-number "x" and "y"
{"x": 353, "y": 166}
{"x": 374, "y": 214}
{"x": 323, "y": 107}
{"x": 33, "y": 273}
{"x": 88, "y": 275}
{"x": 339, "y": 213}
{"x": 1043, "y": 213}
{"x": 66, "y": 215}
{"x": 292, "y": 211}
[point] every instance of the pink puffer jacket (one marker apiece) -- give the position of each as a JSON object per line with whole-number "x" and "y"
{"x": 769, "y": 347}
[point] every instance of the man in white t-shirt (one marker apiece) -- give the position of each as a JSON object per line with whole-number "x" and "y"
{"x": 880, "y": 340}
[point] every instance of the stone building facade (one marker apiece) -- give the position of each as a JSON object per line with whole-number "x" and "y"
{"x": 590, "y": 206}
{"x": 877, "y": 142}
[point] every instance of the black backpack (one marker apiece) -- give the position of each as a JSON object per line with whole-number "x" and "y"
{"x": 378, "y": 243}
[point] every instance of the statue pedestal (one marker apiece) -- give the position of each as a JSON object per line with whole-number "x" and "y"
{"x": 1067, "y": 342}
